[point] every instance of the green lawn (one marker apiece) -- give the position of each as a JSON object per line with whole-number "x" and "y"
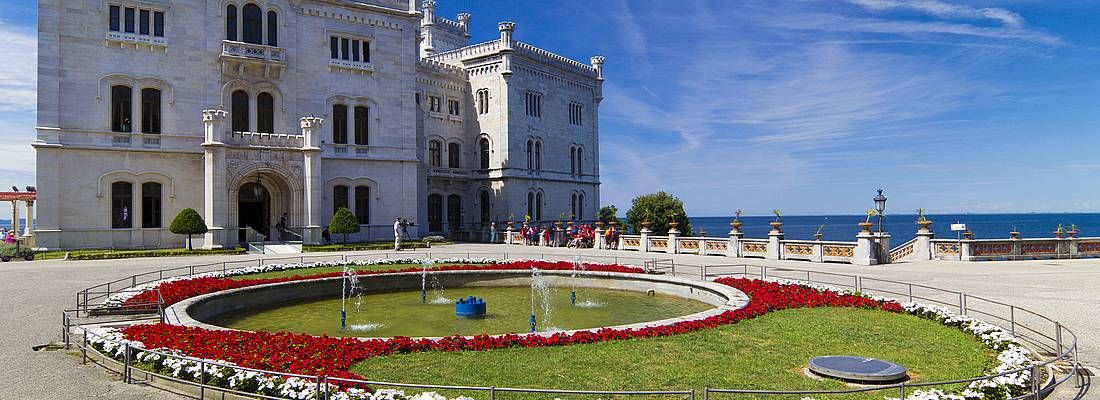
{"x": 767, "y": 352}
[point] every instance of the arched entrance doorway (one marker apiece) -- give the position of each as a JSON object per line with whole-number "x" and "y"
{"x": 253, "y": 208}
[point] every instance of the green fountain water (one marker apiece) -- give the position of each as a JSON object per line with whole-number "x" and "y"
{"x": 403, "y": 314}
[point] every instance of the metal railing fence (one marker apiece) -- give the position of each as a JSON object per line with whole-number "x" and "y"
{"x": 1041, "y": 332}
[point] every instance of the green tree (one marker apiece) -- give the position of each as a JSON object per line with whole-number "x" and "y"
{"x": 608, "y": 214}
{"x": 659, "y": 208}
{"x": 343, "y": 222}
{"x": 188, "y": 222}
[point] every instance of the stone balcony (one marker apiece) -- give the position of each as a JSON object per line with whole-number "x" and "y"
{"x": 126, "y": 38}
{"x": 237, "y": 58}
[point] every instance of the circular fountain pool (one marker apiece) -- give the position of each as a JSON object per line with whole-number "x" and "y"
{"x": 390, "y": 304}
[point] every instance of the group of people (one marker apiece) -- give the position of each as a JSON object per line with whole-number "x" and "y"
{"x": 578, "y": 235}
{"x": 8, "y": 236}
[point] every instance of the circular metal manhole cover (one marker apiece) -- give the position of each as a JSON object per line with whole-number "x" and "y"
{"x": 859, "y": 369}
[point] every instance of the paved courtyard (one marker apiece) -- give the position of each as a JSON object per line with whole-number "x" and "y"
{"x": 32, "y": 295}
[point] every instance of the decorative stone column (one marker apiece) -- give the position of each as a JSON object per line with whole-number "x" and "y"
{"x": 673, "y": 233}
{"x": 922, "y": 247}
{"x": 733, "y": 248}
{"x": 1017, "y": 245}
{"x": 506, "y": 28}
{"x": 28, "y": 232}
{"x": 643, "y": 243}
{"x": 775, "y": 241}
{"x": 215, "y": 201}
{"x": 559, "y": 235}
{"x": 15, "y": 217}
{"x": 864, "y": 253}
{"x": 598, "y": 238}
{"x": 311, "y": 154}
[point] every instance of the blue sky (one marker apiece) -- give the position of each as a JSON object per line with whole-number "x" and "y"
{"x": 805, "y": 106}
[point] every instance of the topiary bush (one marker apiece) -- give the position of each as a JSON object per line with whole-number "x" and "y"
{"x": 188, "y": 222}
{"x": 343, "y": 222}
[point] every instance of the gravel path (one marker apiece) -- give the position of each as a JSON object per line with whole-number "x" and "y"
{"x": 32, "y": 295}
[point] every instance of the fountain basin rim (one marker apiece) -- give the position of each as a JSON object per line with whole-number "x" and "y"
{"x": 731, "y": 299}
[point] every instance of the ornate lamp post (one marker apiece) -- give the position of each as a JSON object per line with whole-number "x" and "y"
{"x": 880, "y": 206}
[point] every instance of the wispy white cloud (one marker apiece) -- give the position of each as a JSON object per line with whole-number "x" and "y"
{"x": 946, "y": 10}
{"x": 19, "y": 74}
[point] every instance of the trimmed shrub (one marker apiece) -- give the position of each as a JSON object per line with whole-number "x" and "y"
{"x": 188, "y": 222}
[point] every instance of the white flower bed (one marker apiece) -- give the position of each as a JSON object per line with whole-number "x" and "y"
{"x": 117, "y": 299}
{"x": 1012, "y": 354}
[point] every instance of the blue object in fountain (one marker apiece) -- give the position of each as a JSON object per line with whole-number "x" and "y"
{"x": 532, "y": 323}
{"x": 343, "y": 319}
{"x": 470, "y": 307}
{"x": 573, "y": 297}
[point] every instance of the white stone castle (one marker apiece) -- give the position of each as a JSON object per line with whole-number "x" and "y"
{"x": 252, "y": 110}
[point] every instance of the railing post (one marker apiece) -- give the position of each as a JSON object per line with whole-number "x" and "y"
{"x": 962, "y": 303}
{"x": 1058, "y": 337}
{"x": 703, "y": 273}
{"x": 692, "y": 394}
{"x": 84, "y": 348}
{"x": 1012, "y": 320}
{"x": 202, "y": 379}
{"x": 808, "y": 280}
{"x": 492, "y": 392}
{"x": 126, "y": 364}
{"x": 910, "y": 292}
{"x": 902, "y": 387}
{"x": 317, "y": 394}
{"x": 1035, "y": 381}
{"x": 133, "y": 280}
{"x": 706, "y": 393}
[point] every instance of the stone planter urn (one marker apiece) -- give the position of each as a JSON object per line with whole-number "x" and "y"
{"x": 865, "y": 227}
{"x": 968, "y": 235}
{"x": 1072, "y": 233}
{"x": 646, "y": 225}
{"x": 599, "y": 224}
{"x": 1058, "y": 234}
{"x": 924, "y": 225}
{"x": 1014, "y": 235}
{"x": 736, "y": 225}
{"x": 613, "y": 223}
{"x": 776, "y": 225}
{"x": 817, "y": 236}
{"x": 672, "y": 226}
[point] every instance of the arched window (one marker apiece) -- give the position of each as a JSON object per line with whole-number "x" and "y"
{"x": 265, "y": 113}
{"x": 435, "y": 213}
{"x": 362, "y": 204}
{"x": 538, "y": 155}
{"x": 253, "y": 24}
{"x": 150, "y": 110}
{"x": 538, "y": 206}
{"x": 530, "y": 155}
{"x": 272, "y": 28}
{"x": 573, "y": 206}
{"x": 240, "y": 111}
{"x": 121, "y": 107}
{"x": 339, "y": 198}
{"x": 580, "y": 206}
{"x": 435, "y": 159}
{"x": 483, "y": 101}
{"x": 231, "y": 22}
{"x": 454, "y": 212}
{"x": 531, "y": 204}
{"x": 122, "y": 205}
{"x": 150, "y": 205}
{"x": 339, "y": 124}
{"x": 454, "y": 155}
{"x": 484, "y": 145}
{"x": 572, "y": 160}
{"x": 580, "y": 160}
{"x": 362, "y": 115}
{"x": 486, "y": 208}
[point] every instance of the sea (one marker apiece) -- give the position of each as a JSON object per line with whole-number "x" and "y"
{"x": 902, "y": 228}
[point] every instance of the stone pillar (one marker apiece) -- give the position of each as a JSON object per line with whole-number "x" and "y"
{"x": 733, "y": 248}
{"x": 882, "y": 240}
{"x": 215, "y": 195}
{"x": 29, "y": 231}
{"x": 673, "y": 233}
{"x": 775, "y": 241}
{"x": 15, "y": 217}
{"x": 864, "y": 253}
{"x": 311, "y": 153}
{"x": 1017, "y": 247}
{"x": 598, "y": 239}
{"x": 506, "y": 28}
{"x": 428, "y": 7}
{"x": 643, "y": 244}
{"x": 922, "y": 247}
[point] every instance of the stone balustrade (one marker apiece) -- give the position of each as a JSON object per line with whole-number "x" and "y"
{"x": 257, "y": 139}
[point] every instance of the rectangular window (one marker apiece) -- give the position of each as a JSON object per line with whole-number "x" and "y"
{"x": 115, "y": 16}
{"x": 575, "y": 113}
{"x": 533, "y": 104}
{"x": 361, "y": 122}
{"x": 339, "y": 197}
{"x": 344, "y": 44}
{"x": 129, "y": 20}
{"x": 435, "y": 158}
{"x": 150, "y": 110}
{"x": 454, "y": 155}
{"x": 143, "y": 22}
{"x": 355, "y": 50}
{"x": 121, "y": 108}
{"x": 150, "y": 205}
{"x": 435, "y": 104}
{"x": 340, "y": 124}
{"x": 362, "y": 204}
{"x": 366, "y": 51}
{"x": 158, "y": 24}
{"x": 334, "y": 47}
{"x": 122, "y": 205}
{"x": 453, "y": 107}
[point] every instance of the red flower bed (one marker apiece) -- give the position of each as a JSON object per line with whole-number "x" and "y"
{"x": 176, "y": 291}
{"x": 324, "y": 355}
